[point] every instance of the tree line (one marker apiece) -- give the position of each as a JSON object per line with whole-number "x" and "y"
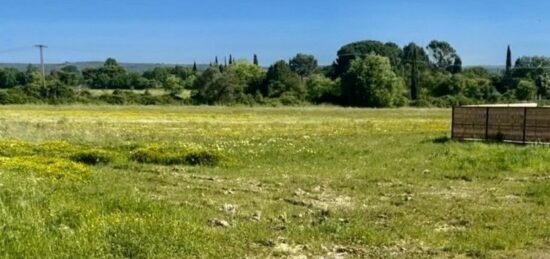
{"x": 365, "y": 74}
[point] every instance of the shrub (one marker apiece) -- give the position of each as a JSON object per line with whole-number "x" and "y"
{"x": 55, "y": 148}
{"x": 421, "y": 103}
{"x": 10, "y": 148}
{"x": 93, "y": 157}
{"x": 289, "y": 98}
{"x": 16, "y": 96}
{"x": 54, "y": 168}
{"x": 203, "y": 157}
{"x": 114, "y": 98}
{"x": 179, "y": 154}
{"x": 525, "y": 90}
{"x": 538, "y": 193}
{"x": 442, "y": 139}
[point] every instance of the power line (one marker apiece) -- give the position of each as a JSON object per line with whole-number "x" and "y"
{"x": 13, "y": 50}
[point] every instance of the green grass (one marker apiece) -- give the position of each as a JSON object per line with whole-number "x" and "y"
{"x": 314, "y": 181}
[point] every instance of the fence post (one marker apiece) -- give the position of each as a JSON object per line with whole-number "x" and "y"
{"x": 453, "y": 123}
{"x": 487, "y": 123}
{"x": 524, "y": 125}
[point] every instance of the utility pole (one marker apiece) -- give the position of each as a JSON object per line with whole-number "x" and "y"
{"x": 414, "y": 74}
{"x": 41, "y": 47}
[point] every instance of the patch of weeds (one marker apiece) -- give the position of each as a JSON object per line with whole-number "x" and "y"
{"x": 125, "y": 243}
{"x": 71, "y": 217}
{"x": 93, "y": 157}
{"x": 466, "y": 178}
{"x": 13, "y": 148}
{"x": 202, "y": 158}
{"x": 441, "y": 140}
{"x": 178, "y": 154}
{"x": 486, "y": 159}
{"x": 54, "y": 168}
{"x": 10, "y": 148}
{"x": 538, "y": 193}
{"x": 55, "y": 148}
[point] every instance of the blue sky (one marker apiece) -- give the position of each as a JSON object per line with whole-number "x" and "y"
{"x": 180, "y": 31}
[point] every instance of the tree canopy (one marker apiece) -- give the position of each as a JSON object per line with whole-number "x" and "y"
{"x": 351, "y": 51}
{"x": 365, "y": 73}
{"x": 303, "y": 64}
{"x": 371, "y": 82}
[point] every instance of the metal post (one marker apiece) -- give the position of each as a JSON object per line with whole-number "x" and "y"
{"x": 524, "y": 125}
{"x": 453, "y": 124}
{"x": 487, "y": 123}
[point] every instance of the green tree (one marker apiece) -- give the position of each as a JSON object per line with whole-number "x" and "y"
{"x": 206, "y": 86}
{"x": 111, "y": 62}
{"x": 137, "y": 81}
{"x": 11, "y": 77}
{"x": 443, "y": 56}
{"x": 215, "y": 87}
{"x": 182, "y": 72}
{"x": 457, "y": 66}
{"x": 68, "y": 75}
{"x": 173, "y": 85}
{"x": 371, "y": 82}
{"x": 320, "y": 89}
{"x": 351, "y": 51}
{"x": 525, "y": 90}
{"x": 531, "y": 67}
{"x": 303, "y": 64}
{"x": 508, "y": 60}
{"x": 256, "y": 62}
{"x": 33, "y": 76}
{"x": 280, "y": 79}
{"x": 477, "y": 72}
{"x": 246, "y": 73}
{"x": 415, "y": 58}
{"x": 158, "y": 75}
{"x": 110, "y": 76}
{"x": 476, "y": 84}
{"x": 542, "y": 83}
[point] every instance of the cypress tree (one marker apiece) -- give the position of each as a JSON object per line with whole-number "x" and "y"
{"x": 194, "y": 67}
{"x": 457, "y": 65}
{"x": 230, "y": 59}
{"x": 508, "y": 60}
{"x": 216, "y": 62}
{"x": 256, "y": 60}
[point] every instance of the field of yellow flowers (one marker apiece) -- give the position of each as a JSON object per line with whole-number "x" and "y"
{"x": 174, "y": 182}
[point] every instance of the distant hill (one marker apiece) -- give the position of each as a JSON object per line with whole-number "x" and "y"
{"x": 132, "y": 67}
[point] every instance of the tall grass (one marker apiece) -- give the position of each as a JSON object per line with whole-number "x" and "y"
{"x": 176, "y": 182}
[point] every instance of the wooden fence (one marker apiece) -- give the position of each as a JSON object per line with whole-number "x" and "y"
{"x": 512, "y": 124}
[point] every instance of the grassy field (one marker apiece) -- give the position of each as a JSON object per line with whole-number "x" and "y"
{"x": 173, "y": 182}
